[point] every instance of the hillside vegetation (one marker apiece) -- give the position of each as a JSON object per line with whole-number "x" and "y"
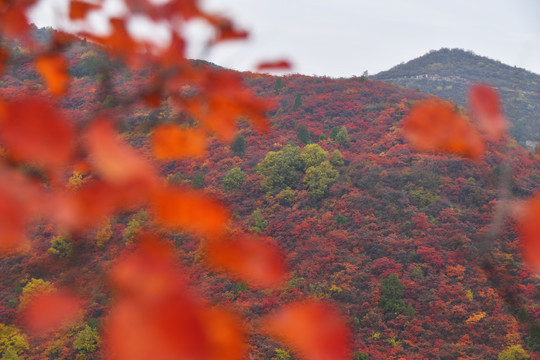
{"x": 393, "y": 238}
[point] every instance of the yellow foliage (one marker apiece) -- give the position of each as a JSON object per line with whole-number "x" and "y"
{"x": 104, "y": 234}
{"x": 476, "y": 317}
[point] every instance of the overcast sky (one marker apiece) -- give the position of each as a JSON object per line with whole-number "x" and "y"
{"x": 342, "y": 38}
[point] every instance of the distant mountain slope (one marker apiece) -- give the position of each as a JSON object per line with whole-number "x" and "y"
{"x": 449, "y": 73}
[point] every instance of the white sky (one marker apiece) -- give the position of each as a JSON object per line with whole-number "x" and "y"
{"x": 342, "y": 38}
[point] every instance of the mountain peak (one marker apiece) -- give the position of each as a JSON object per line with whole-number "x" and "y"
{"x": 448, "y": 73}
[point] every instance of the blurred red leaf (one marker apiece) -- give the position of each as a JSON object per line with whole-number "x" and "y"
{"x": 156, "y": 316}
{"x": 437, "y": 127}
{"x": 119, "y": 42}
{"x": 250, "y": 259}
{"x": 185, "y": 209}
{"x": 225, "y": 335}
{"x": 147, "y": 273}
{"x": 225, "y": 29}
{"x": 54, "y": 70}
{"x": 49, "y": 312}
{"x": 20, "y": 201}
{"x": 79, "y": 9}
{"x": 171, "y": 141}
{"x": 13, "y": 17}
{"x": 115, "y": 160}
{"x": 316, "y": 331}
{"x": 175, "y": 53}
{"x": 32, "y": 129}
{"x": 185, "y": 8}
{"x": 4, "y": 56}
{"x": 226, "y": 101}
{"x": 528, "y": 226}
{"x": 169, "y": 329}
{"x": 84, "y": 208}
{"x": 274, "y": 65}
{"x": 485, "y": 103}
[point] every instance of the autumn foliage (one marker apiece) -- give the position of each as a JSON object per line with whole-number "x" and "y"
{"x": 155, "y": 314}
{"x": 71, "y": 171}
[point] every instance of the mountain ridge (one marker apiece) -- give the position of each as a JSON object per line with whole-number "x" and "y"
{"x": 448, "y": 73}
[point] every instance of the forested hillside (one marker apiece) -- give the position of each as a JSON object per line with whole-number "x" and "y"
{"x": 393, "y": 238}
{"x": 448, "y": 73}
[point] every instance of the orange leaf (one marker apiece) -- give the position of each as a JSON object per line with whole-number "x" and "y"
{"x": 119, "y": 41}
{"x": 187, "y": 9}
{"x": 169, "y": 329}
{"x": 315, "y": 330}
{"x": 114, "y": 159}
{"x": 485, "y": 103}
{"x": 171, "y": 141}
{"x": 13, "y": 18}
{"x": 12, "y": 221}
{"x": 34, "y": 130}
{"x": 79, "y": 9}
{"x": 175, "y": 53}
{"x": 274, "y": 65}
{"x": 54, "y": 70}
{"x": 225, "y": 29}
{"x": 225, "y": 334}
{"x": 184, "y": 209}
{"x": 19, "y": 202}
{"x": 437, "y": 127}
{"x": 87, "y": 207}
{"x": 50, "y": 311}
{"x": 156, "y": 316}
{"x": 249, "y": 259}
{"x": 148, "y": 273}
{"x": 528, "y": 226}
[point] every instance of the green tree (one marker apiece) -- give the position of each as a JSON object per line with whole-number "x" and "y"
{"x": 333, "y": 133}
{"x": 32, "y": 288}
{"x": 238, "y": 146}
{"x": 337, "y": 159}
{"x": 533, "y": 340}
{"x": 341, "y": 219}
{"x": 61, "y": 246}
{"x": 313, "y": 155}
{"x": 10, "y": 354}
{"x": 281, "y": 169}
{"x": 342, "y": 136}
{"x": 279, "y": 85}
{"x": 297, "y": 102}
{"x": 132, "y": 229}
{"x": 86, "y": 342}
{"x": 417, "y": 273}
{"x": 363, "y": 77}
{"x": 319, "y": 178}
{"x": 514, "y": 352}
{"x": 104, "y": 234}
{"x": 259, "y": 224}
{"x": 286, "y": 196}
{"x": 198, "y": 181}
{"x": 11, "y": 339}
{"x": 282, "y": 354}
{"x": 175, "y": 179}
{"x": 392, "y": 294}
{"x": 234, "y": 179}
{"x": 359, "y": 355}
{"x": 303, "y": 134}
